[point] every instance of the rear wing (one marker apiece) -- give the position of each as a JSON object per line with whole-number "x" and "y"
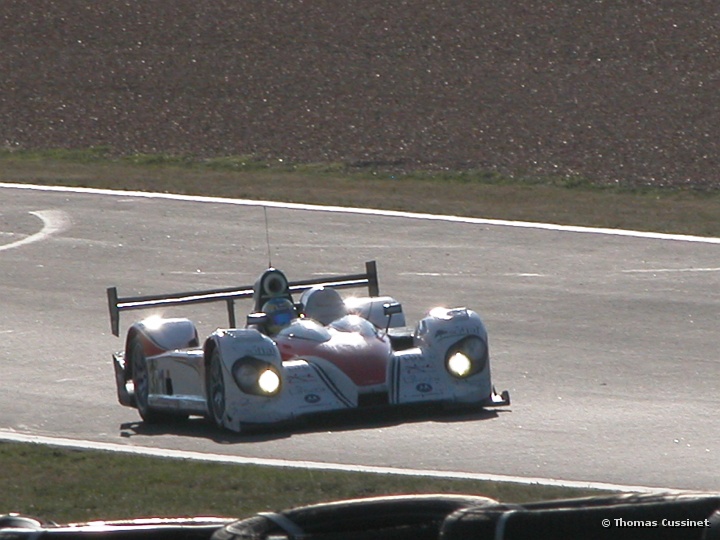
{"x": 116, "y": 304}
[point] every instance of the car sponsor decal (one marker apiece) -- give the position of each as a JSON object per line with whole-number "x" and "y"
{"x": 424, "y": 388}
{"x": 459, "y": 331}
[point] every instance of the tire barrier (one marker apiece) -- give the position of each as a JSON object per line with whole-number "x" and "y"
{"x": 417, "y": 517}
{"x": 13, "y": 527}
{"x": 631, "y": 517}
{"x": 686, "y": 516}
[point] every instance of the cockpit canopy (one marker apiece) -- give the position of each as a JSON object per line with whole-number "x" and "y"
{"x": 356, "y": 324}
{"x": 306, "y": 329}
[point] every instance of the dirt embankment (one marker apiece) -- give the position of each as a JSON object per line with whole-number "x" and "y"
{"x": 614, "y": 91}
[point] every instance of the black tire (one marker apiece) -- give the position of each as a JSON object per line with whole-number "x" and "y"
{"x": 405, "y": 517}
{"x": 14, "y": 521}
{"x": 215, "y": 387}
{"x": 141, "y": 384}
{"x": 581, "y": 518}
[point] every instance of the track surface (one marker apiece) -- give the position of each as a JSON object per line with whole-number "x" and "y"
{"x": 608, "y": 344}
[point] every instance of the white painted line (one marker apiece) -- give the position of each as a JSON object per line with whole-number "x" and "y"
{"x": 54, "y": 221}
{"x": 670, "y": 270}
{"x": 282, "y": 463}
{"x": 371, "y": 211}
{"x": 431, "y": 274}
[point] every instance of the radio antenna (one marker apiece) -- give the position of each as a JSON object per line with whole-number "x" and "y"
{"x": 267, "y": 237}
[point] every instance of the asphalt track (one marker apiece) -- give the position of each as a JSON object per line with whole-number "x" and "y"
{"x": 607, "y": 340}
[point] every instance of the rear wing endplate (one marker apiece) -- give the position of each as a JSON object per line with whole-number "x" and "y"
{"x": 116, "y": 304}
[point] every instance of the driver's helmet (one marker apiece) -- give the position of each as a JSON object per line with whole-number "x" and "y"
{"x": 280, "y": 313}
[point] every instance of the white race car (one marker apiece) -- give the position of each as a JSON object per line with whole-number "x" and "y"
{"x": 324, "y": 353}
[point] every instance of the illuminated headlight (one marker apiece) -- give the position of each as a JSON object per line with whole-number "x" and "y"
{"x": 459, "y": 365}
{"x": 254, "y": 376}
{"x": 269, "y": 382}
{"x": 466, "y": 357}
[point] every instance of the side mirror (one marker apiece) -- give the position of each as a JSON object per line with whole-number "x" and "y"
{"x": 390, "y": 309}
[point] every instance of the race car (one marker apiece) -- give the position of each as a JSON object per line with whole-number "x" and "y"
{"x": 319, "y": 354}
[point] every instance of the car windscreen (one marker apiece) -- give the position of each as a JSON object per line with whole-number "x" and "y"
{"x": 354, "y": 323}
{"x": 307, "y": 329}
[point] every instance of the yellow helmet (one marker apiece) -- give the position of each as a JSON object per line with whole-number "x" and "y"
{"x": 280, "y": 313}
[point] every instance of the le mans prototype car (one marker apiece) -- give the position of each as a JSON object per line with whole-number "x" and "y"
{"x": 321, "y": 354}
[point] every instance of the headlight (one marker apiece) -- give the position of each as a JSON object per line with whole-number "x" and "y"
{"x": 255, "y": 376}
{"x": 466, "y": 357}
{"x": 269, "y": 382}
{"x": 459, "y": 365}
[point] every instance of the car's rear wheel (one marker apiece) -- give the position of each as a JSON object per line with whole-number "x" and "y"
{"x": 216, "y": 389}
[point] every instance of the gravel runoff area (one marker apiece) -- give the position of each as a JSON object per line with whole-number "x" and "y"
{"x": 616, "y": 92}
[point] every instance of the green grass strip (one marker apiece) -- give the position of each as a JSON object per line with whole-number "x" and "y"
{"x": 68, "y": 485}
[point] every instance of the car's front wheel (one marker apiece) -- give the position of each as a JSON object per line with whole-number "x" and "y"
{"x": 141, "y": 384}
{"x": 140, "y": 378}
{"x": 216, "y": 389}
